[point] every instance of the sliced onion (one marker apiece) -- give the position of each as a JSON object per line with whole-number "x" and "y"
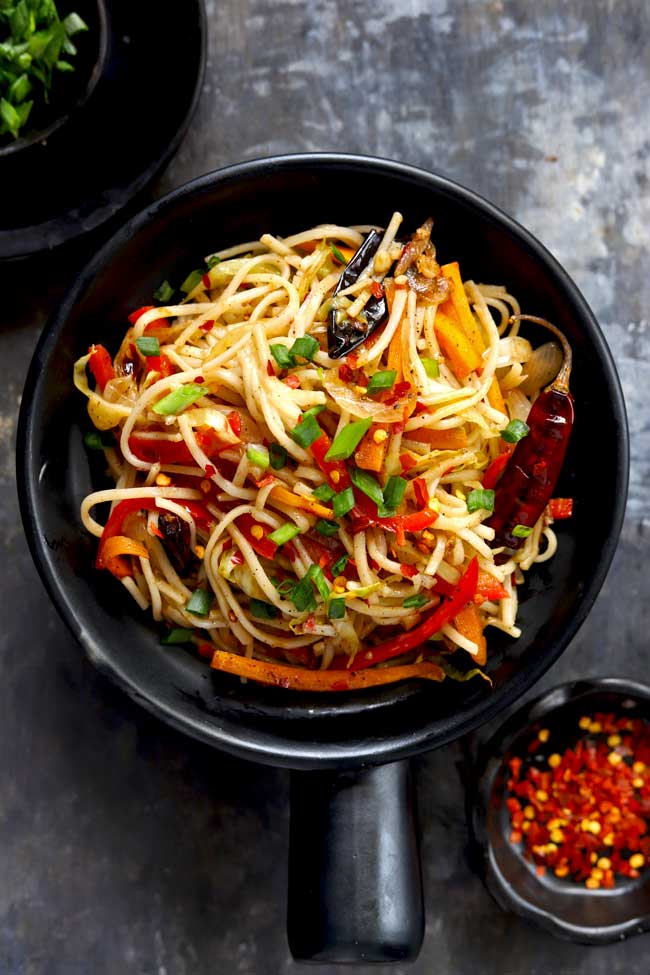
{"x": 512, "y": 349}
{"x": 351, "y": 402}
{"x": 518, "y": 405}
{"x": 541, "y": 368}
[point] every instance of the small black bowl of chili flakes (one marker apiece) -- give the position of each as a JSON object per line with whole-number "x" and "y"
{"x": 560, "y": 811}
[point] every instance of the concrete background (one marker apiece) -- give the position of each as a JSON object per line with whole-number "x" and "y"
{"x": 124, "y": 847}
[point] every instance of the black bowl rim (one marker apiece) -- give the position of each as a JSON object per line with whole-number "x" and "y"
{"x": 282, "y": 751}
{"x": 489, "y": 761}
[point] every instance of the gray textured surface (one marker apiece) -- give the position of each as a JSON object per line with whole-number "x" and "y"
{"x": 124, "y": 847}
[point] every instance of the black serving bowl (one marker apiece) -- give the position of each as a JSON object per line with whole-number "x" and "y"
{"x": 299, "y": 730}
{"x": 566, "y": 909}
{"x": 70, "y": 92}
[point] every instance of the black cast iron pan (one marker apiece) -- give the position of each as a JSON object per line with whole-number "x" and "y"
{"x": 355, "y": 891}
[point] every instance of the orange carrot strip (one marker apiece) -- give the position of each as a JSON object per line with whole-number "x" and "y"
{"x": 495, "y": 397}
{"x": 469, "y": 624}
{"x": 456, "y": 347}
{"x": 453, "y": 439}
{"x": 457, "y": 308}
{"x": 369, "y": 454}
{"x": 284, "y": 496}
{"x": 294, "y": 678}
{"x": 115, "y": 548}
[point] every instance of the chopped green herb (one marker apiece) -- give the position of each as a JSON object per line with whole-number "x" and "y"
{"x": 416, "y": 601}
{"x": 368, "y": 484}
{"x": 326, "y": 528}
{"x": 340, "y": 565}
{"x": 521, "y": 531}
{"x": 200, "y": 602}
{"x": 179, "y": 399}
{"x": 306, "y": 347}
{"x": 277, "y": 456}
{"x": 317, "y": 576}
{"x": 336, "y": 609}
{"x": 148, "y": 345}
{"x": 515, "y": 431}
{"x": 191, "y": 281}
{"x": 480, "y": 499}
{"x": 176, "y": 636}
{"x": 337, "y": 254}
{"x": 282, "y": 355}
{"x": 283, "y": 534}
{"x": 284, "y": 586}
{"x": 343, "y": 502}
{"x": 212, "y": 261}
{"x": 346, "y": 442}
{"x": 302, "y": 596}
{"x": 431, "y": 367}
{"x": 394, "y": 491}
{"x": 314, "y": 410}
{"x": 382, "y": 380}
{"x": 262, "y": 610}
{"x": 324, "y": 492}
{"x": 164, "y": 293}
{"x": 98, "y": 439}
{"x": 307, "y": 432}
{"x": 258, "y": 455}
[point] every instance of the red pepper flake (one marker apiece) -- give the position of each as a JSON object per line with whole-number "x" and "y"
{"x": 199, "y": 380}
{"x": 583, "y": 813}
{"x": 346, "y": 374}
{"x": 206, "y": 281}
{"x": 293, "y": 382}
{"x": 237, "y": 558}
{"x": 270, "y": 371}
{"x": 407, "y": 462}
{"x": 266, "y": 480}
{"x": 421, "y": 492}
{"x": 409, "y": 571}
{"x": 352, "y": 359}
{"x": 210, "y": 471}
{"x": 234, "y": 422}
{"x": 560, "y": 508}
{"x": 207, "y": 326}
{"x": 377, "y": 290}
{"x": 206, "y": 650}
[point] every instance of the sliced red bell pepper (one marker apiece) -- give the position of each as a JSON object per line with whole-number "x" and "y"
{"x": 334, "y": 470}
{"x": 156, "y": 323}
{"x": 397, "y": 645}
{"x": 262, "y": 546}
{"x": 421, "y": 492}
{"x": 160, "y": 363}
{"x": 176, "y": 452}
{"x": 101, "y": 365}
{"x": 560, "y": 508}
{"x": 487, "y": 588}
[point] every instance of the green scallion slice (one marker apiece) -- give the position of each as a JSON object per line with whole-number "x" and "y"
{"x": 212, "y": 261}
{"x": 368, "y": 484}
{"x": 179, "y": 399}
{"x": 481, "y": 498}
{"x": 306, "y": 347}
{"x": 261, "y": 610}
{"x": 284, "y": 586}
{"x": 191, "y": 281}
{"x": 414, "y": 602}
{"x": 99, "y": 439}
{"x": 431, "y": 367}
{"x": 343, "y": 502}
{"x": 314, "y": 410}
{"x": 326, "y": 528}
{"x": 200, "y": 602}
{"x": 324, "y": 492}
{"x": 73, "y": 24}
{"x": 282, "y": 355}
{"x": 336, "y": 609}
{"x": 176, "y": 636}
{"x": 337, "y": 254}
{"x": 283, "y": 534}
{"x": 346, "y": 442}
{"x": 277, "y": 456}
{"x": 340, "y": 565}
{"x": 164, "y": 293}
{"x": 258, "y": 455}
{"x": 307, "y": 432}
{"x": 148, "y": 346}
{"x": 317, "y": 576}
{"x": 394, "y": 491}
{"x": 515, "y": 431}
{"x": 382, "y": 380}
{"x": 521, "y": 531}
{"x": 302, "y": 596}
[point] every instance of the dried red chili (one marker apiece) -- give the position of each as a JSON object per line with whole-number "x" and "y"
{"x": 584, "y": 813}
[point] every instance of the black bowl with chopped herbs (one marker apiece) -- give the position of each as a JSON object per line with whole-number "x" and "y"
{"x": 52, "y": 54}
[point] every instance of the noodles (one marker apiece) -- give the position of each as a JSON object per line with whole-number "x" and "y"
{"x": 324, "y": 513}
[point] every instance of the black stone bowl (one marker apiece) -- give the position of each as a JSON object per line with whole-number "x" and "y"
{"x": 358, "y": 892}
{"x": 566, "y": 909}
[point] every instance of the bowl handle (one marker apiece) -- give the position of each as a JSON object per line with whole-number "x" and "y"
{"x": 355, "y": 881}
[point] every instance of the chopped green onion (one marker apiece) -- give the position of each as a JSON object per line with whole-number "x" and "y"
{"x": 262, "y": 610}
{"x": 164, "y": 293}
{"x": 431, "y": 367}
{"x": 282, "y": 355}
{"x": 177, "y": 636}
{"x": 340, "y": 565}
{"x": 283, "y": 534}
{"x": 324, "y": 492}
{"x": 480, "y": 499}
{"x": 306, "y": 347}
{"x": 20, "y": 88}
{"x": 382, "y": 380}
{"x": 191, "y": 281}
{"x": 284, "y": 586}
{"x": 337, "y": 254}
{"x": 394, "y": 491}
{"x": 414, "y": 602}
{"x": 10, "y": 117}
{"x": 521, "y": 531}
{"x": 343, "y": 502}
{"x": 212, "y": 261}
{"x": 277, "y": 456}
{"x": 148, "y": 345}
{"x": 97, "y": 440}
{"x": 307, "y": 432}
{"x": 317, "y": 576}
{"x": 368, "y": 484}
{"x": 314, "y": 410}
{"x": 73, "y": 23}
{"x": 516, "y": 430}
{"x": 326, "y": 528}
{"x": 336, "y": 609}
{"x": 200, "y": 602}
{"x": 302, "y": 595}
{"x": 179, "y": 399}
{"x": 258, "y": 455}
{"x": 346, "y": 442}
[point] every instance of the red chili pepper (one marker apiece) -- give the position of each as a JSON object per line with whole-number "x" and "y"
{"x": 377, "y": 290}
{"x": 270, "y": 371}
{"x": 262, "y": 546}
{"x": 133, "y": 317}
{"x": 560, "y": 508}
{"x": 421, "y": 492}
{"x": 433, "y": 623}
{"x": 526, "y": 488}
{"x": 292, "y": 382}
{"x": 163, "y": 365}
{"x": 494, "y": 470}
{"x": 408, "y": 571}
{"x": 345, "y": 374}
{"x": 152, "y": 326}
{"x": 487, "y": 588}
{"x": 234, "y": 422}
{"x": 101, "y": 365}
{"x": 407, "y": 462}
{"x": 206, "y": 281}
{"x": 207, "y": 326}
{"x": 156, "y": 451}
